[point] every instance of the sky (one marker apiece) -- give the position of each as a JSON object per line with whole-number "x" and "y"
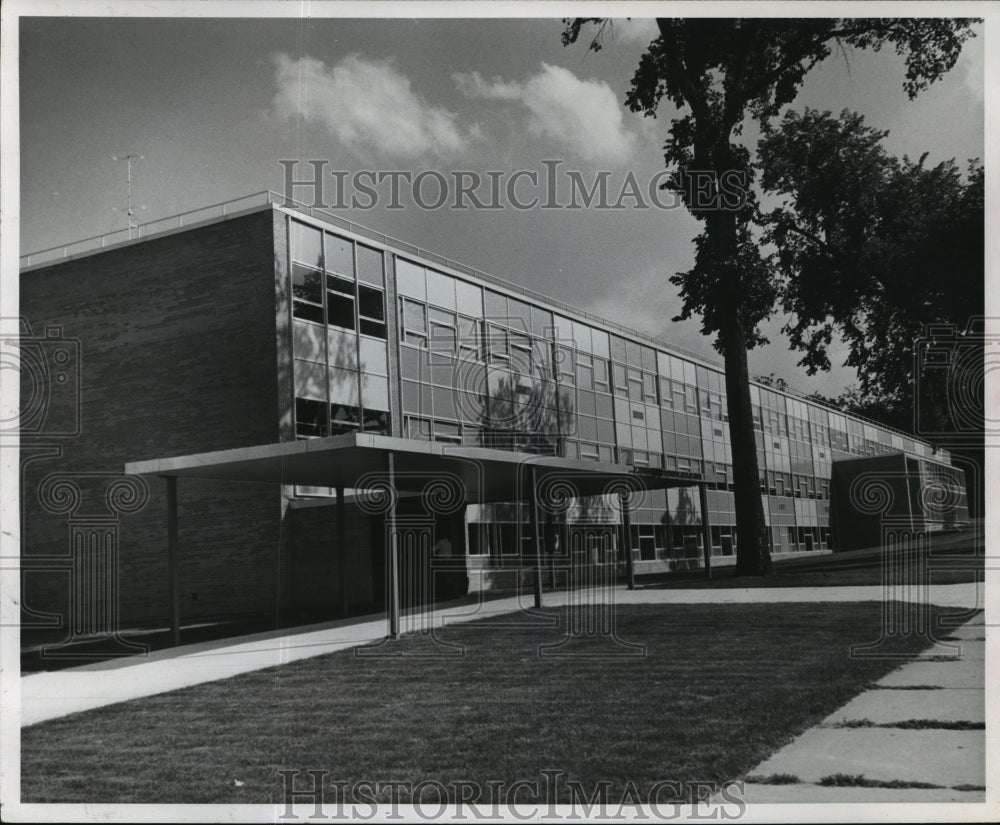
{"x": 212, "y": 106}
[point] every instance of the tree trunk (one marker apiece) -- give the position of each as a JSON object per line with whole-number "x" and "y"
{"x": 753, "y": 554}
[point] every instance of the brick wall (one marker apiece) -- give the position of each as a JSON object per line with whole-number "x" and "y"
{"x": 178, "y": 355}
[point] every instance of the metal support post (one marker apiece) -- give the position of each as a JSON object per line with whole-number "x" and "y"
{"x": 627, "y": 543}
{"x": 342, "y": 550}
{"x": 172, "y": 561}
{"x": 706, "y": 528}
{"x": 393, "y": 550}
{"x": 536, "y": 536}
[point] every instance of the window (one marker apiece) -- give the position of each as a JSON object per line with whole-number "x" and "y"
{"x": 371, "y": 268}
{"x": 621, "y": 387}
{"x": 584, "y": 371}
{"x": 310, "y": 418}
{"x": 339, "y": 256}
{"x": 371, "y": 311}
{"x": 414, "y": 323}
{"x": 307, "y": 293}
{"x": 344, "y": 419}
{"x": 601, "y": 381}
{"x": 340, "y": 302}
{"x": 307, "y": 245}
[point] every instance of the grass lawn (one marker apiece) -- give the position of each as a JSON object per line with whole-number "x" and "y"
{"x": 720, "y": 688}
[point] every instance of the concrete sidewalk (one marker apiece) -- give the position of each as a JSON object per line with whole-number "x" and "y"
{"x": 914, "y": 738}
{"x": 50, "y": 695}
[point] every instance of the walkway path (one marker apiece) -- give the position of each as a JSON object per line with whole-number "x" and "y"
{"x": 917, "y": 737}
{"x": 53, "y": 694}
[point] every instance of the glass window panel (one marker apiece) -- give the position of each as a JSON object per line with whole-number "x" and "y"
{"x": 639, "y": 438}
{"x": 444, "y": 402}
{"x": 371, "y": 266}
{"x": 341, "y": 285}
{"x": 413, "y": 363}
{"x": 444, "y": 339}
{"x": 307, "y": 244}
{"x": 310, "y": 417}
{"x": 634, "y": 385}
{"x": 588, "y": 428}
{"x": 343, "y": 349}
{"x": 621, "y": 385}
{"x": 689, "y": 373}
{"x": 307, "y": 342}
{"x": 605, "y": 408}
{"x": 344, "y": 418}
{"x": 410, "y": 280}
{"x": 310, "y": 380}
{"x": 469, "y": 298}
{"x": 605, "y": 431}
{"x": 308, "y": 312}
{"x": 618, "y": 352}
{"x": 655, "y": 440}
{"x": 601, "y": 375}
{"x": 624, "y": 433}
{"x": 340, "y": 310}
{"x": 663, "y": 364}
{"x": 307, "y": 284}
{"x": 586, "y": 402}
{"x": 414, "y": 316}
{"x": 373, "y": 357}
{"x": 339, "y": 255}
{"x": 649, "y": 387}
{"x": 371, "y": 303}
{"x": 377, "y": 421}
{"x": 440, "y": 316}
{"x": 601, "y": 343}
{"x": 440, "y": 289}
{"x": 582, "y": 337}
{"x": 495, "y": 305}
{"x": 520, "y": 314}
{"x": 633, "y": 353}
{"x": 343, "y": 386}
{"x": 541, "y": 322}
{"x": 375, "y": 392}
{"x": 413, "y": 398}
{"x": 649, "y": 359}
{"x": 443, "y": 371}
{"x": 375, "y": 328}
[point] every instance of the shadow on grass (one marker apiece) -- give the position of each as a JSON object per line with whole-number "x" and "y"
{"x": 719, "y": 689}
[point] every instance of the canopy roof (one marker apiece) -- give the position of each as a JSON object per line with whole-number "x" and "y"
{"x": 359, "y": 459}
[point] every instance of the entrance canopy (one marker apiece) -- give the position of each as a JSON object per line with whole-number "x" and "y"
{"x": 348, "y": 461}
{"x": 364, "y": 461}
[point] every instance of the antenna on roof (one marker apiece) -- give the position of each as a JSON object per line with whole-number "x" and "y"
{"x": 130, "y": 214}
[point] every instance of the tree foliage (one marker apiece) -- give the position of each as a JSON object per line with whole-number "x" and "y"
{"x": 872, "y": 249}
{"x": 716, "y": 73}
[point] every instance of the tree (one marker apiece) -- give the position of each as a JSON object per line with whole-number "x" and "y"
{"x": 874, "y": 249}
{"x": 717, "y": 72}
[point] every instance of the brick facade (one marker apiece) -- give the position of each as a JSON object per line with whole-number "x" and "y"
{"x": 177, "y": 343}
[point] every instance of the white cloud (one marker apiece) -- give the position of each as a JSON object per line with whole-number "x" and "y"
{"x": 365, "y": 104}
{"x": 584, "y": 115}
{"x": 635, "y": 29}
{"x": 970, "y": 64}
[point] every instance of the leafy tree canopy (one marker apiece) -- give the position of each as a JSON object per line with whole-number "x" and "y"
{"x": 870, "y": 247}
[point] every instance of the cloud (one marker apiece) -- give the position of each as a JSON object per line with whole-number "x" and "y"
{"x": 970, "y": 64}
{"x": 366, "y": 105}
{"x": 585, "y": 115}
{"x": 634, "y": 29}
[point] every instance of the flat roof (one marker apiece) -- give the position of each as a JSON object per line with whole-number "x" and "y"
{"x": 359, "y": 460}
